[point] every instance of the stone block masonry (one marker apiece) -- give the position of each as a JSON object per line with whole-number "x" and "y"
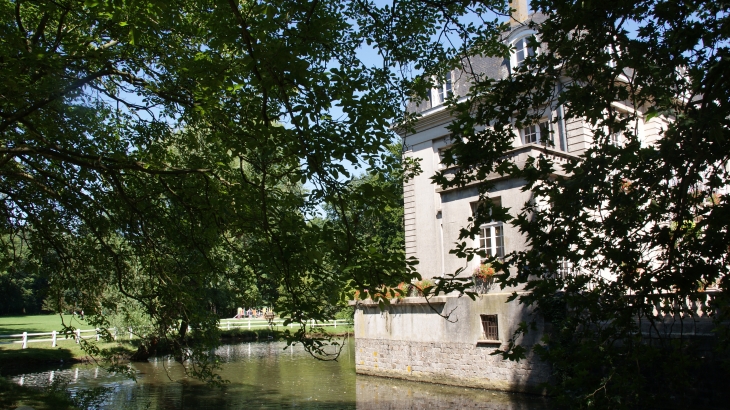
{"x": 449, "y": 363}
{"x": 443, "y": 341}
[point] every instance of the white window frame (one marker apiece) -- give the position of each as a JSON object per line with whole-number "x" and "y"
{"x": 521, "y": 45}
{"x": 442, "y": 91}
{"x": 617, "y": 138}
{"x": 537, "y": 130}
{"x": 440, "y": 153}
{"x": 495, "y": 236}
{"x": 611, "y": 62}
{"x": 440, "y": 146}
{"x": 612, "y": 50}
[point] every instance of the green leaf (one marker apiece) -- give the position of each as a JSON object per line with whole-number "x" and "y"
{"x": 650, "y": 114}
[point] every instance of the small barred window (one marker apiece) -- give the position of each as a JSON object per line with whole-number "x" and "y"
{"x": 489, "y": 325}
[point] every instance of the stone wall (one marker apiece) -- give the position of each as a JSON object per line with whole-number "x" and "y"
{"x": 443, "y": 342}
{"x": 456, "y": 364}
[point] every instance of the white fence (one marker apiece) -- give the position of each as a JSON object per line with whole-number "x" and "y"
{"x": 258, "y": 324}
{"x": 25, "y": 337}
{"x": 77, "y": 335}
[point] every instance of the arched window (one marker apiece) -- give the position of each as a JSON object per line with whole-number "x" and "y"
{"x": 522, "y": 50}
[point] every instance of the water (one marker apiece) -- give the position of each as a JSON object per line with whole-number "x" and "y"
{"x": 264, "y": 376}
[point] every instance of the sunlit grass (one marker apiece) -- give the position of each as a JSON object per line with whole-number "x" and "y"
{"x": 68, "y": 350}
{"x": 38, "y": 323}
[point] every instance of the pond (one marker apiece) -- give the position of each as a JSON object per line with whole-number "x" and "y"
{"x": 263, "y": 375}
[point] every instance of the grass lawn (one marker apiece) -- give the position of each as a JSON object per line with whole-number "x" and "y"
{"x": 340, "y": 329}
{"x": 38, "y": 323}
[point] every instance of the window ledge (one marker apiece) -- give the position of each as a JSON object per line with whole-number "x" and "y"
{"x": 488, "y": 342}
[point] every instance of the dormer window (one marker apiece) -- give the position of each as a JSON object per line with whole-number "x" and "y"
{"x": 442, "y": 91}
{"x": 522, "y": 51}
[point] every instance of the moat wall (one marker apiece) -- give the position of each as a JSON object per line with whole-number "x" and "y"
{"x": 413, "y": 340}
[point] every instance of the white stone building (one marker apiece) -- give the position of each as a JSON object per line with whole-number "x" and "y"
{"x": 410, "y": 339}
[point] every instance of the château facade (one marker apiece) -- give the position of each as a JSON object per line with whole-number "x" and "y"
{"x": 411, "y": 339}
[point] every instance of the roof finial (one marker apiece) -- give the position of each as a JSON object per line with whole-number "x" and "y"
{"x": 519, "y": 15}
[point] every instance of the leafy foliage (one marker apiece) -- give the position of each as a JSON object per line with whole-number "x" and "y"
{"x": 158, "y": 149}
{"x": 23, "y": 282}
{"x": 170, "y": 158}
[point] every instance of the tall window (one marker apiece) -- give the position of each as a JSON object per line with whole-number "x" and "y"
{"x": 442, "y": 144}
{"x": 490, "y": 327}
{"x": 491, "y": 239}
{"x": 491, "y": 234}
{"x": 613, "y": 51}
{"x": 442, "y": 154}
{"x": 536, "y": 133}
{"x": 617, "y": 138}
{"x": 565, "y": 268}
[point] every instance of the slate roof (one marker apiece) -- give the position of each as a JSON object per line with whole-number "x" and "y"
{"x": 491, "y": 67}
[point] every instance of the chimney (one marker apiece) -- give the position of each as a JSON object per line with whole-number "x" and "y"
{"x": 519, "y": 15}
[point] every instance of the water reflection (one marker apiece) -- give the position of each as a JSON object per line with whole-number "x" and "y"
{"x": 264, "y": 376}
{"x": 386, "y": 394}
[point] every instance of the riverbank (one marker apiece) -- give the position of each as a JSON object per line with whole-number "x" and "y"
{"x": 68, "y": 351}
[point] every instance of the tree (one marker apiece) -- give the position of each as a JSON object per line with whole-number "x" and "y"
{"x": 157, "y": 148}
{"x": 23, "y": 281}
{"x": 645, "y": 225}
{"x": 382, "y": 222}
